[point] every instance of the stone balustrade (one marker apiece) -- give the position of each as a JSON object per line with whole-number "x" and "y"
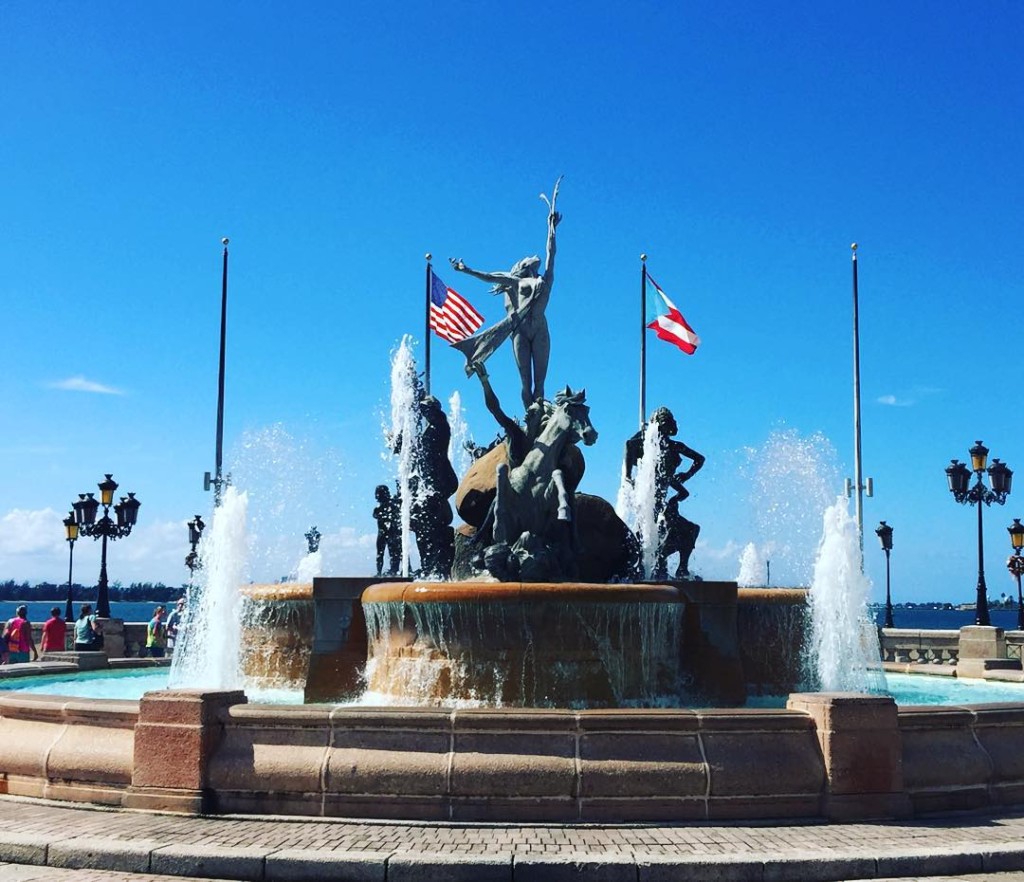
{"x": 904, "y": 646}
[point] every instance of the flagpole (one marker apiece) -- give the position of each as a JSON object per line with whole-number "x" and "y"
{"x": 858, "y": 473}
{"x": 219, "y": 454}
{"x": 643, "y": 339}
{"x": 426, "y": 330}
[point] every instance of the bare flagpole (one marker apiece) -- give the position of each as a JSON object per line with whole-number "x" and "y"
{"x": 858, "y": 473}
{"x": 643, "y": 339}
{"x": 217, "y": 481}
{"x": 426, "y": 330}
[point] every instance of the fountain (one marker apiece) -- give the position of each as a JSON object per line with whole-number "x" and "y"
{"x": 551, "y": 683}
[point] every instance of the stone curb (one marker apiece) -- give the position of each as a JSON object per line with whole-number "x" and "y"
{"x": 254, "y": 864}
{"x": 449, "y": 867}
{"x": 210, "y": 861}
{"x": 90, "y": 853}
{"x": 311, "y": 865}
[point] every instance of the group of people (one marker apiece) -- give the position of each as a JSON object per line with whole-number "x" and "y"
{"x": 17, "y": 643}
{"x": 161, "y": 635}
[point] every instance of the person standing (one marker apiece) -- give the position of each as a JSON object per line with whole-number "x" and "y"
{"x": 55, "y": 632}
{"x": 19, "y": 638}
{"x": 87, "y": 631}
{"x": 156, "y": 634}
{"x": 174, "y": 623}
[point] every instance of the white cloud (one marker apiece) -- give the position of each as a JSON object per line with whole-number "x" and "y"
{"x": 25, "y": 532}
{"x": 81, "y": 384}
{"x": 893, "y": 401}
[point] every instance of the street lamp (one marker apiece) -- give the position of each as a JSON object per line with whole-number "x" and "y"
{"x": 1016, "y": 565}
{"x": 126, "y": 511}
{"x": 884, "y": 533}
{"x": 1001, "y": 478}
{"x": 195, "y": 533}
{"x": 71, "y": 534}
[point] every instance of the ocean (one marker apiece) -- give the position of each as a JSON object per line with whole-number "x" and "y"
{"x": 945, "y": 619}
{"x": 39, "y": 611}
{"x": 914, "y": 619}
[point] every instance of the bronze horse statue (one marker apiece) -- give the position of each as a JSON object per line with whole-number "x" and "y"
{"x": 534, "y": 504}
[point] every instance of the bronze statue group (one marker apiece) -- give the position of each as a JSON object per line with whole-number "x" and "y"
{"x": 523, "y": 517}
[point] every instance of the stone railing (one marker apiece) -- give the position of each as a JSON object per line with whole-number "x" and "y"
{"x": 134, "y": 637}
{"x": 903, "y": 646}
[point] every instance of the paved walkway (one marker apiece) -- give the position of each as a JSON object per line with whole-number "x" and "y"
{"x": 55, "y": 840}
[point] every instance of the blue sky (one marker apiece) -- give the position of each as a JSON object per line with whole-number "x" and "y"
{"x": 743, "y": 146}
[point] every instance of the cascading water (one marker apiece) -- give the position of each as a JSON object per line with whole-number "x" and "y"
{"x": 404, "y": 389}
{"x": 207, "y": 654}
{"x": 637, "y": 502}
{"x": 842, "y": 652}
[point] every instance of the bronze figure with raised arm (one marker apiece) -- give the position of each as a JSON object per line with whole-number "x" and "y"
{"x": 526, "y": 299}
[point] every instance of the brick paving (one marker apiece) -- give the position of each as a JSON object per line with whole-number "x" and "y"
{"x": 88, "y": 844}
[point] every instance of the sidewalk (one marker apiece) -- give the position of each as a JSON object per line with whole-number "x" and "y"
{"x": 51, "y": 835}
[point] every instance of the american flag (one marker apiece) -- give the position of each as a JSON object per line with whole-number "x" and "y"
{"x": 451, "y": 316}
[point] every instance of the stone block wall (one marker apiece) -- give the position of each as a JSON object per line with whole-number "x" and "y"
{"x": 832, "y": 756}
{"x": 59, "y": 748}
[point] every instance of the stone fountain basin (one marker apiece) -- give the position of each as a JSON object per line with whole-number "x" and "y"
{"x": 570, "y": 645}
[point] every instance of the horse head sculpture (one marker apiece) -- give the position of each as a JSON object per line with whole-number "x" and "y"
{"x": 575, "y": 409}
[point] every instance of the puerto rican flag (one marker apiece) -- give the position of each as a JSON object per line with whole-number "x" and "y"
{"x": 670, "y": 326}
{"x": 451, "y": 316}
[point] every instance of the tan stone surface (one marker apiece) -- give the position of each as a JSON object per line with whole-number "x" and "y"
{"x": 512, "y": 774}
{"x": 270, "y": 759}
{"x": 25, "y": 745}
{"x": 92, "y": 753}
{"x": 388, "y": 772}
{"x": 943, "y": 758}
{"x": 981, "y": 642}
{"x": 742, "y": 764}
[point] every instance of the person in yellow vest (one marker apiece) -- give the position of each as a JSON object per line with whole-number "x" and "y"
{"x": 156, "y": 633}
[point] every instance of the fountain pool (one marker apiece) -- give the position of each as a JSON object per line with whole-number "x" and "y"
{"x": 905, "y": 689}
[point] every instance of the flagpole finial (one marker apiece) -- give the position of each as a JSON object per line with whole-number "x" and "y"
{"x": 643, "y": 257}
{"x": 225, "y": 241}
{"x": 428, "y": 256}
{"x": 853, "y": 248}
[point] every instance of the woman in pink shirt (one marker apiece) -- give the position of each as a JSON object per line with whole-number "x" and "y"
{"x": 19, "y": 637}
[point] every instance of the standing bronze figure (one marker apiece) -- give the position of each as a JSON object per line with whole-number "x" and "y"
{"x": 526, "y": 300}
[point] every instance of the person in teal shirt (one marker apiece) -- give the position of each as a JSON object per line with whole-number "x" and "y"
{"x": 156, "y": 634}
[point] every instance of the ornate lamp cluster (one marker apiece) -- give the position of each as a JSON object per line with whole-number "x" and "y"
{"x": 195, "y": 533}
{"x": 1015, "y": 564}
{"x": 884, "y": 533}
{"x": 84, "y": 512}
{"x": 71, "y": 534}
{"x": 1000, "y": 480}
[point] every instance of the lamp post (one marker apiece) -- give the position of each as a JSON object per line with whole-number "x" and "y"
{"x": 71, "y": 534}
{"x": 884, "y": 533}
{"x": 1001, "y": 478}
{"x": 1016, "y": 565}
{"x": 192, "y": 561}
{"x": 126, "y": 512}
